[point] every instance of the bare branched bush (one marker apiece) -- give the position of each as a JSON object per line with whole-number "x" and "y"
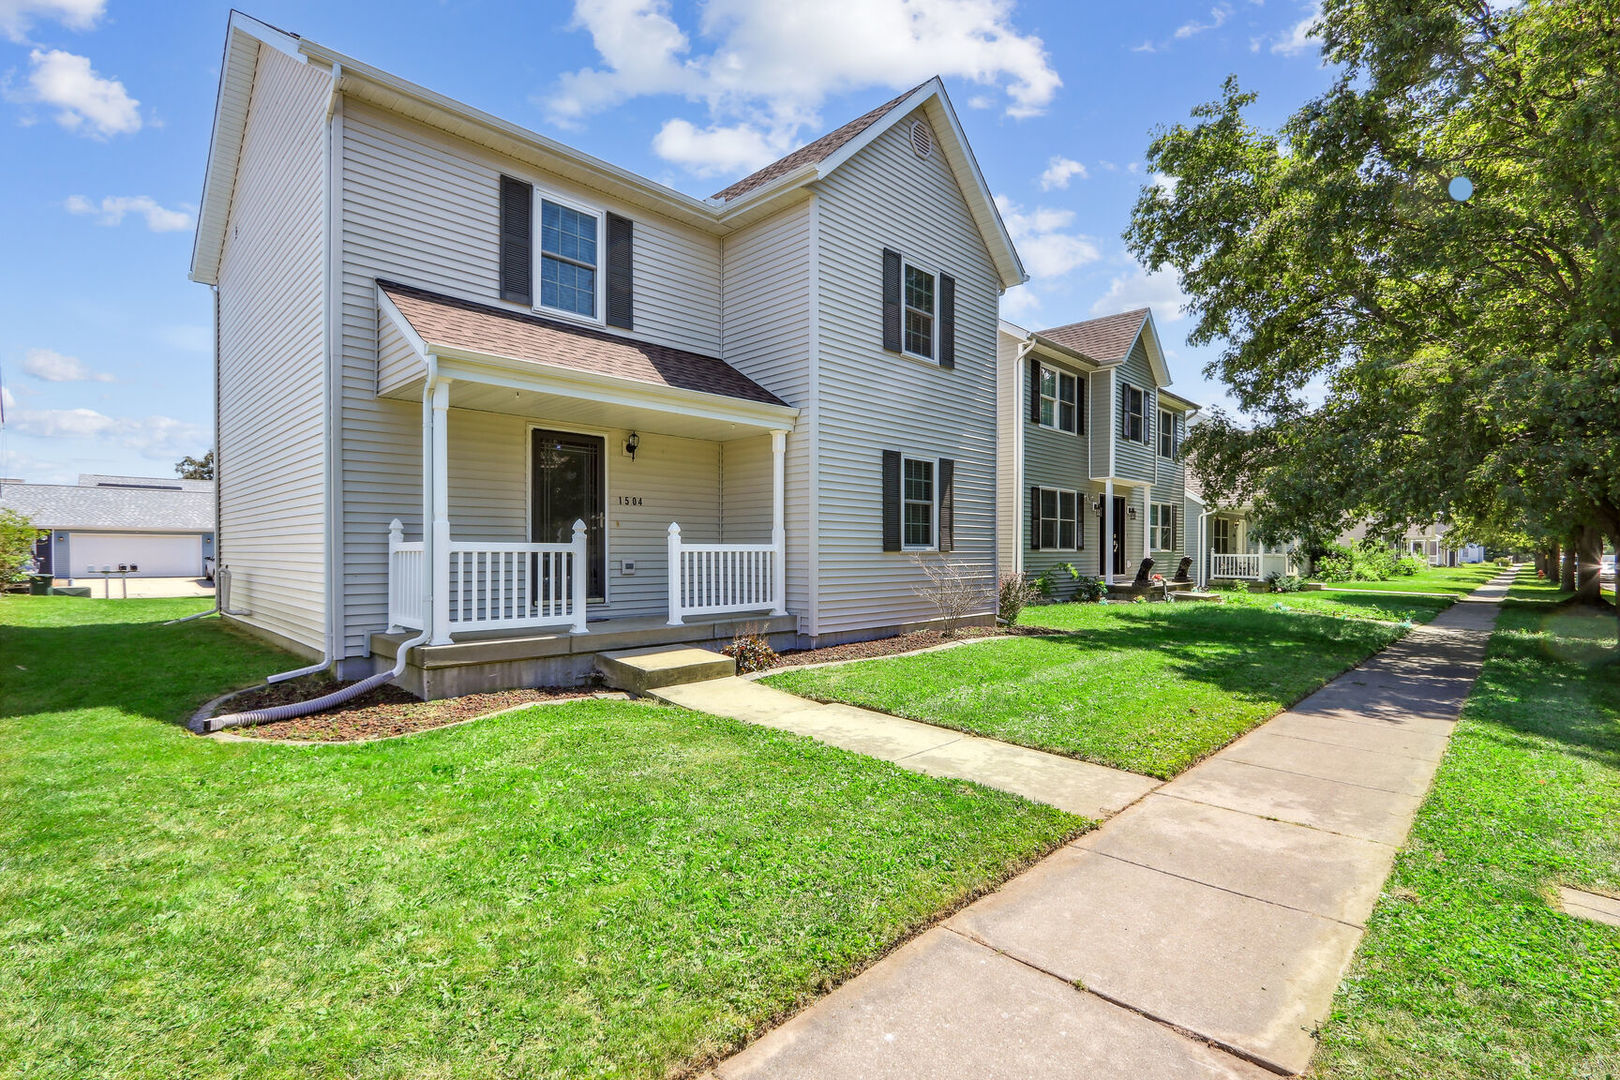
{"x": 952, "y": 588}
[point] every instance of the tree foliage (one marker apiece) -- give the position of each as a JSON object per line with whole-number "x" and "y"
{"x": 17, "y": 536}
{"x": 1401, "y": 355}
{"x": 193, "y": 468}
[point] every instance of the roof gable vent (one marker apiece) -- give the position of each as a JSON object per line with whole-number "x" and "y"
{"x": 922, "y": 139}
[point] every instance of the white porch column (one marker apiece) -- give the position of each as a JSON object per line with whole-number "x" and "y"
{"x": 675, "y": 574}
{"x": 1108, "y": 531}
{"x": 779, "y": 521}
{"x": 1147, "y": 523}
{"x": 440, "y": 425}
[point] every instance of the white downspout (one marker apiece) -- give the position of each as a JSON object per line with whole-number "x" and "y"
{"x": 1203, "y": 548}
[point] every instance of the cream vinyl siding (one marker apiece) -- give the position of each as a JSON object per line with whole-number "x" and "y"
{"x": 765, "y": 333}
{"x": 745, "y": 491}
{"x": 675, "y": 479}
{"x": 868, "y": 400}
{"x": 420, "y": 207}
{"x": 271, "y": 359}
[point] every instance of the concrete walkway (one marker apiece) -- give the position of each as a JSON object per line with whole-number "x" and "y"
{"x": 1200, "y": 933}
{"x": 1076, "y": 786}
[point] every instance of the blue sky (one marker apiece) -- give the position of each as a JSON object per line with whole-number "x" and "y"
{"x": 106, "y": 105}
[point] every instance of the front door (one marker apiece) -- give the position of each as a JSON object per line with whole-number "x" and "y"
{"x": 566, "y": 478}
{"x": 1117, "y": 547}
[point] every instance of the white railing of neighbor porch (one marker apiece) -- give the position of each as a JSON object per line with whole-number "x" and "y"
{"x": 491, "y": 586}
{"x": 1235, "y": 566}
{"x": 712, "y": 579}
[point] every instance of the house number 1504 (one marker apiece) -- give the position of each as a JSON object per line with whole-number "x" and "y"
{"x": 629, "y": 500}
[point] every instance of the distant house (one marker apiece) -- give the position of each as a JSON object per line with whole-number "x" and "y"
{"x": 162, "y": 526}
{"x": 445, "y": 340}
{"x": 1428, "y": 544}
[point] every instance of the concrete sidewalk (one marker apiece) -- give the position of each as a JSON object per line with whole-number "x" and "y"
{"x": 1200, "y": 933}
{"x": 1079, "y": 787}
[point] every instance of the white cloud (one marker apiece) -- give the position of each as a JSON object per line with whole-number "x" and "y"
{"x": 1166, "y": 183}
{"x": 1298, "y": 37}
{"x": 85, "y": 102}
{"x": 772, "y": 65}
{"x": 52, "y": 366}
{"x": 1146, "y": 46}
{"x": 1019, "y": 302}
{"x": 1217, "y": 18}
{"x": 151, "y": 436}
{"x": 718, "y": 149}
{"x": 1059, "y": 171}
{"x": 8, "y": 401}
{"x": 1044, "y": 243}
{"x": 17, "y": 16}
{"x": 111, "y": 211}
{"x": 1160, "y": 291}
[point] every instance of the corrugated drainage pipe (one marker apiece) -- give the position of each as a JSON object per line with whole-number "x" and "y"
{"x": 315, "y": 705}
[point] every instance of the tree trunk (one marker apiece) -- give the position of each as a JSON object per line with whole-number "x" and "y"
{"x": 1551, "y": 571}
{"x": 1566, "y": 572}
{"x": 1589, "y": 566}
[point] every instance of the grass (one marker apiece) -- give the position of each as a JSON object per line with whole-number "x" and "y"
{"x": 1467, "y": 971}
{"x": 1384, "y": 607}
{"x": 1150, "y": 688}
{"x": 595, "y": 889}
{"x": 1456, "y": 580}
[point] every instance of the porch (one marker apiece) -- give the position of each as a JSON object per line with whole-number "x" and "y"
{"x": 1251, "y": 566}
{"x": 575, "y": 484}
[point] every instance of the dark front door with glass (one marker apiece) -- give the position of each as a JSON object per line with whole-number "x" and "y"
{"x": 1116, "y": 548}
{"x": 567, "y": 480}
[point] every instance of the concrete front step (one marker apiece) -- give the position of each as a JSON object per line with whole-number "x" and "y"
{"x": 641, "y": 670}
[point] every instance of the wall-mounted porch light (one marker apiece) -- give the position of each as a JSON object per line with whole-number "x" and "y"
{"x": 632, "y": 444}
{"x": 1130, "y": 512}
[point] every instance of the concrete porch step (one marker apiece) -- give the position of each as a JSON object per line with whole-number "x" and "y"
{"x": 640, "y": 670}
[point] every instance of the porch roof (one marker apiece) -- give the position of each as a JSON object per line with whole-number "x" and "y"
{"x": 447, "y": 323}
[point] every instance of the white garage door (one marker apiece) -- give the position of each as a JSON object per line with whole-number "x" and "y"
{"x": 157, "y": 554}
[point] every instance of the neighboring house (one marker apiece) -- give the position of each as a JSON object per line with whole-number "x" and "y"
{"x": 163, "y": 527}
{"x": 1089, "y": 437}
{"x": 1426, "y": 543}
{"x": 1225, "y": 547}
{"x": 759, "y": 405}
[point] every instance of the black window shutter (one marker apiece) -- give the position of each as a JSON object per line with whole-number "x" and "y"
{"x": 947, "y": 321}
{"x": 621, "y": 248}
{"x": 1034, "y": 390}
{"x": 1124, "y": 410}
{"x": 1035, "y": 519}
{"x": 891, "y": 500}
{"x": 891, "y": 300}
{"x": 517, "y": 241}
{"x": 947, "y": 504}
{"x": 1080, "y": 404}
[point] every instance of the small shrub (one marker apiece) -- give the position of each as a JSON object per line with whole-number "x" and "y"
{"x": 952, "y": 588}
{"x": 1406, "y": 566}
{"x": 1228, "y": 585}
{"x": 1089, "y": 590}
{"x": 751, "y": 651}
{"x": 1282, "y": 583}
{"x": 1042, "y": 584}
{"x": 1013, "y": 594}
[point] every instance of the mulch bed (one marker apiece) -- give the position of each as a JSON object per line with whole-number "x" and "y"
{"x": 904, "y": 643}
{"x": 387, "y": 710}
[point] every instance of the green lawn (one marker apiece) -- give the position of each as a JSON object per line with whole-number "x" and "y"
{"x": 595, "y": 889}
{"x": 1466, "y": 970}
{"x": 1382, "y": 606}
{"x": 1438, "y": 579}
{"x": 1151, "y": 688}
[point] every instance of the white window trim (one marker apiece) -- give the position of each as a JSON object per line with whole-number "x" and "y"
{"x": 1079, "y": 520}
{"x": 1143, "y": 438}
{"x": 538, "y": 257}
{"x": 1167, "y": 430}
{"x": 933, "y": 509}
{"x": 1165, "y": 513}
{"x": 1079, "y": 395}
{"x": 933, "y": 326}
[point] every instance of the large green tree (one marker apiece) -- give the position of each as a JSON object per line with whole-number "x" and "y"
{"x": 1404, "y": 349}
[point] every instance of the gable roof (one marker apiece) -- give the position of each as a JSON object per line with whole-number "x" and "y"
{"x": 750, "y": 199}
{"x": 449, "y": 322}
{"x": 1110, "y": 339}
{"x": 124, "y": 509}
{"x": 815, "y": 152}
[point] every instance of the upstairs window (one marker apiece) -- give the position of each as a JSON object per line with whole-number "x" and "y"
{"x": 1133, "y": 419}
{"x": 1060, "y": 400}
{"x": 917, "y": 503}
{"x": 568, "y": 259}
{"x": 1167, "y": 433}
{"x": 919, "y": 313}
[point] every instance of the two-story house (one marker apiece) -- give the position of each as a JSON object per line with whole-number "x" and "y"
{"x": 489, "y": 398}
{"x": 1090, "y": 443}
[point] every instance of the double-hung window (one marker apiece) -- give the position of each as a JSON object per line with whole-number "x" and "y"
{"x": 568, "y": 258}
{"x": 1162, "y": 527}
{"x": 1135, "y": 404}
{"x": 1060, "y": 400}
{"x": 1222, "y": 538}
{"x": 919, "y": 313}
{"x": 1058, "y": 520}
{"x": 1167, "y": 433}
{"x": 917, "y": 503}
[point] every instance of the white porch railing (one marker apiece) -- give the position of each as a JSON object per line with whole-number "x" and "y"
{"x": 490, "y": 586}
{"x": 1252, "y": 566}
{"x": 712, "y": 579}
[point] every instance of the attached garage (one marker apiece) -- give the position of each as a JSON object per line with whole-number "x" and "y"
{"x": 156, "y": 554}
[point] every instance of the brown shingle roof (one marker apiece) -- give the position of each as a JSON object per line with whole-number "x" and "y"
{"x": 446, "y": 320}
{"x": 820, "y": 150}
{"x": 1105, "y": 340}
